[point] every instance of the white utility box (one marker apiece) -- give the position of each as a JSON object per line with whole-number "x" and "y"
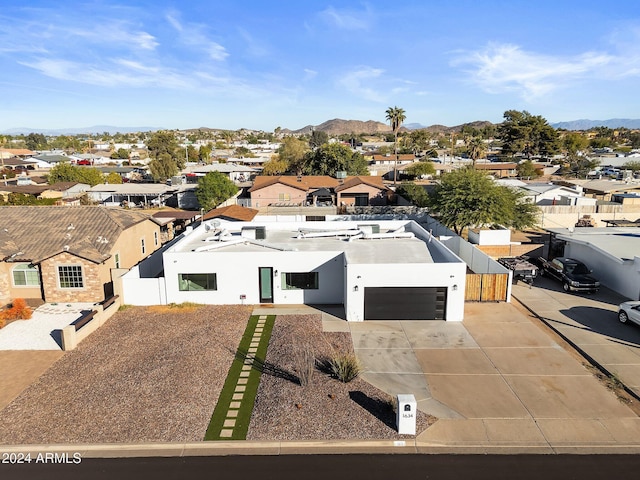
{"x": 407, "y": 412}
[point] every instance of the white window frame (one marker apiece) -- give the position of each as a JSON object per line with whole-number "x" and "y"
{"x": 116, "y": 259}
{"x": 142, "y": 245}
{"x": 155, "y": 238}
{"x": 24, "y": 271}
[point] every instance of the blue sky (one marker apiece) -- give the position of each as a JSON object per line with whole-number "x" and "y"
{"x": 290, "y": 63}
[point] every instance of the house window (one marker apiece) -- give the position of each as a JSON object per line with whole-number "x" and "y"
{"x": 300, "y": 281}
{"x": 26, "y": 275}
{"x": 70, "y": 276}
{"x": 155, "y": 238}
{"x": 188, "y": 282}
{"x": 117, "y": 260}
{"x": 144, "y": 249}
{"x": 284, "y": 197}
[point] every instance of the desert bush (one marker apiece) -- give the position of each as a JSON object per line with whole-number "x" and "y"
{"x": 19, "y": 310}
{"x": 304, "y": 362}
{"x": 343, "y": 366}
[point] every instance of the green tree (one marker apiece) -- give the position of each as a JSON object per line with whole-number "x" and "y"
{"x": 161, "y": 142}
{"x": 633, "y": 165}
{"x": 574, "y": 142}
{"x": 36, "y": 141}
{"x": 334, "y": 157}
{"x": 213, "y": 189}
{"x": 318, "y": 138}
{"x": 527, "y": 169}
{"x": 275, "y": 166}
{"x": 292, "y": 152}
{"x": 163, "y": 167}
{"x": 467, "y": 197}
{"x": 204, "y": 153}
{"x": 421, "y": 169}
{"x": 418, "y": 141}
{"x": 114, "y": 178}
{"x": 416, "y": 194}
{"x": 476, "y": 148}
{"x": 65, "y": 172}
{"x": 528, "y": 134}
{"x": 395, "y": 116}
{"x": 120, "y": 154}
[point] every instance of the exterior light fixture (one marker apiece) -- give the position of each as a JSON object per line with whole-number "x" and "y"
{"x": 454, "y": 288}
{"x": 355, "y": 288}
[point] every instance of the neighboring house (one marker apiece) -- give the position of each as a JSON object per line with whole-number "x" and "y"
{"x": 50, "y": 160}
{"x": 552, "y": 194}
{"x": 62, "y": 254}
{"x": 16, "y": 152}
{"x": 173, "y": 222}
{"x": 235, "y": 173}
{"x": 613, "y": 253}
{"x": 62, "y": 190}
{"x": 363, "y": 191}
{"x": 130, "y": 193}
{"x": 498, "y": 169}
{"x": 604, "y": 189}
{"x": 379, "y": 270}
{"x": 287, "y": 190}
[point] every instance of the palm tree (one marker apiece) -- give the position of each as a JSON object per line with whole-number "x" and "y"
{"x": 396, "y": 116}
{"x": 476, "y": 148}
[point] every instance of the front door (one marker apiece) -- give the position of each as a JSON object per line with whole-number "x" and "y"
{"x": 265, "y": 279}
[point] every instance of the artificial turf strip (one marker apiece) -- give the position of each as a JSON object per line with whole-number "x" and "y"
{"x": 226, "y": 395}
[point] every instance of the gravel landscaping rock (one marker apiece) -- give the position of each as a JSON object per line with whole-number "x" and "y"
{"x": 148, "y": 375}
{"x": 324, "y": 409}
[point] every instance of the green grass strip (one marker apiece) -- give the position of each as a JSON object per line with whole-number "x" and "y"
{"x": 216, "y": 425}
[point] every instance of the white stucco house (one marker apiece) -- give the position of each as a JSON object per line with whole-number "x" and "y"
{"x": 613, "y": 253}
{"x": 379, "y": 270}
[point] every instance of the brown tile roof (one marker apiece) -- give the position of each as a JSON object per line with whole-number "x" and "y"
{"x": 17, "y": 151}
{"x": 304, "y": 183}
{"x": 39, "y": 232}
{"x": 177, "y": 214}
{"x": 234, "y": 212}
{"x": 496, "y": 166}
{"x": 350, "y": 182}
{"x": 37, "y": 189}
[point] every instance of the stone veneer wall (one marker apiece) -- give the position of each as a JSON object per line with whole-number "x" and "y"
{"x": 93, "y": 290}
{"x": 5, "y": 285}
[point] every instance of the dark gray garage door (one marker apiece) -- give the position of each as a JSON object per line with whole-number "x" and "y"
{"x": 405, "y": 303}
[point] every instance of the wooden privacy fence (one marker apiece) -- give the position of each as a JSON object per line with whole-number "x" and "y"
{"x": 486, "y": 287}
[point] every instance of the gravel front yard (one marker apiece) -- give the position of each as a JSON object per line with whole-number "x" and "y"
{"x": 325, "y": 409}
{"x": 154, "y": 374}
{"x": 148, "y": 375}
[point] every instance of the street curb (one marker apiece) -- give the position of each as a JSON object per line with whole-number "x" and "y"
{"x": 324, "y": 447}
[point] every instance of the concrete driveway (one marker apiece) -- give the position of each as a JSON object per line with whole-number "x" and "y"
{"x": 496, "y": 380}
{"x": 590, "y": 323}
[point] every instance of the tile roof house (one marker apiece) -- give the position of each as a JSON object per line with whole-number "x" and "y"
{"x": 287, "y": 190}
{"x": 65, "y": 254}
{"x": 232, "y": 212}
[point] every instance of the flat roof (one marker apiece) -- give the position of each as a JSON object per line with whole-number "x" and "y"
{"x": 284, "y": 237}
{"x": 618, "y": 242}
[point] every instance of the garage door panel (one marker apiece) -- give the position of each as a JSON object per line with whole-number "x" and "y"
{"x": 405, "y": 303}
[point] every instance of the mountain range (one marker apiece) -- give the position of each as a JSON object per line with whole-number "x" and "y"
{"x": 585, "y": 124}
{"x": 338, "y": 126}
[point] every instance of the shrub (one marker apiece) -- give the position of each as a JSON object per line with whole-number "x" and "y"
{"x": 304, "y": 363}
{"x": 19, "y": 310}
{"x": 344, "y": 366}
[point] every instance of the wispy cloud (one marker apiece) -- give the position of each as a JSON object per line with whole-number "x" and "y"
{"x": 348, "y": 19}
{"x": 502, "y": 68}
{"x": 359, "y": 82}
{"x": 309, "y": 74}
{"x": 195, "y": 35}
